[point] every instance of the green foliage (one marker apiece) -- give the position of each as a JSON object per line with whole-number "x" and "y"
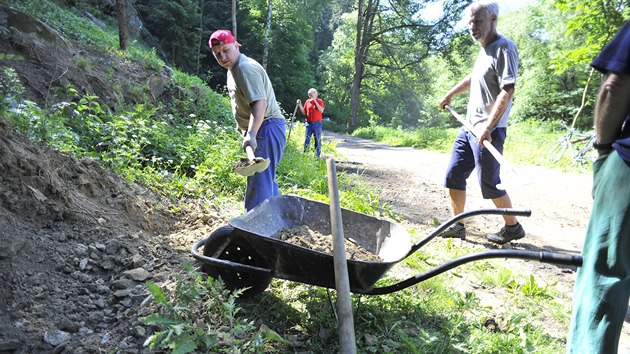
{"x": 200, "y": 315}
{"x": 175, "y": 26}
{"x": 421, "y": 138}
{"x": 593, "y": 23}
{"x": 11, "y": 88}
{"x": 544, "y": 92}
{"x": 176, "y": 154}
{"x": 78, "y": 28}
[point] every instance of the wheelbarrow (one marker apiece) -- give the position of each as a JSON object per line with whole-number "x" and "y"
{"x": 247, "y": 252}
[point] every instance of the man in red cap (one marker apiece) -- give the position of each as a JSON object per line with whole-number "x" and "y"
{"x": 257, "y": 113}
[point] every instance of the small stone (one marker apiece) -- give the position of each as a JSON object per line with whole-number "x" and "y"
{"x": 122, "y": 293}
{"x": 112, "y": 247}
{"x": 140, "y": 331}
{"x": 124, "y": 284}
{"x": 56, "y": 337}
{"x": 83, "y": 263}
{"x": 139, "y": 274}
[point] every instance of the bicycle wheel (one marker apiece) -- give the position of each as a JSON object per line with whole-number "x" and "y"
{"x": 554, "y": 152}
{"x": 587, "y": 153}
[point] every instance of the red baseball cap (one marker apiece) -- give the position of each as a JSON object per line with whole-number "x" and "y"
{"x": 221, "y": 37}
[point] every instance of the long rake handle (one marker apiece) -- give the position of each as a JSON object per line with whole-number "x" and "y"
{"x": 291, "y": 122}
{"x": 488, "y": 145}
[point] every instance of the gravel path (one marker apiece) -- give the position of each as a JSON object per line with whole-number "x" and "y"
{"x": 410, "y": 181}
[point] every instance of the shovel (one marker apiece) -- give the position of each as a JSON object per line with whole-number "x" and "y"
{"x": 251, "y": 164}
{"x": 512, "y": 174}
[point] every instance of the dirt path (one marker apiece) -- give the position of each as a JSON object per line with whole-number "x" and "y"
{"x": 410, "y": 181}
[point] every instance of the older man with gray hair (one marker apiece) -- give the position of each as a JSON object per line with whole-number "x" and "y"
{"x": 313, "y": 109}
{"x": 491, "y": 85}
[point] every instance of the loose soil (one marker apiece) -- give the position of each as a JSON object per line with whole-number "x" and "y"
{"x": 311, "y": 239}
{"x": 410, "y": 181}
{"x": 77, "y": 244}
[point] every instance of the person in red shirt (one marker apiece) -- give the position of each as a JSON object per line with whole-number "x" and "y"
{"x": 313, "y": 109}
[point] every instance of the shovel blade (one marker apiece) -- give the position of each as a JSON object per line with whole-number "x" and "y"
{"x": 246, "y": 167}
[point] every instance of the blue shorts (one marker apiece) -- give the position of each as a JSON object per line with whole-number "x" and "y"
{"x": 468, "y": 154}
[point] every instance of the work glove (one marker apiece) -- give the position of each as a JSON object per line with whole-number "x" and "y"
{"x": 250, "y": 140}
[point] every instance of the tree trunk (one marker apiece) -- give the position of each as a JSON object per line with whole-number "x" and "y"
{"x": 201, "y": 36}
{"x": 267, "y": 35}
{"x": 234, "y": 19}
{"x": 365, "y": 20}
{"x": 121, "y": 6}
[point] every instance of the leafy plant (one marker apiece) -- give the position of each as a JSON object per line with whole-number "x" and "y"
{"x": 11, "y": 88}
{"x": 200, "y": 315}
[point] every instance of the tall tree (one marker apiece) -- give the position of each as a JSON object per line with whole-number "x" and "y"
{"x": 365, "y": 21}
{"x": 265, "y": 56}
{"x": 201, "y": 36}
{"x": 392, "y": 41}
{"x": 121, "y": 9}
{"x": 234, "y": 24}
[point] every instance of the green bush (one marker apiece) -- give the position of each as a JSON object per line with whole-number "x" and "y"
{"x": 200, "y": 315}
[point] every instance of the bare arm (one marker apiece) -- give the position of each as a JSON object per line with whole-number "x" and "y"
{"x": 258, "y": 115}
{"x": 612, "y": 107}
{"x": 299, "y": 102}
{"x": 460, "y": 87}
{"x": 500, "y": 105}
{"x": 319, "y": 107}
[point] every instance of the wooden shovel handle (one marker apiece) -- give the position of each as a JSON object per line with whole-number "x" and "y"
{"x": 488, "y": 145}
{"x": 250, "y": 153}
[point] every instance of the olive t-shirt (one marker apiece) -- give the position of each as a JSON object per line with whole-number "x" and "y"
{"x": 248, "y": 82}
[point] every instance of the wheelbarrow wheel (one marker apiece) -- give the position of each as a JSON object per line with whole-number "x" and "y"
{"x": 238, "y": 250}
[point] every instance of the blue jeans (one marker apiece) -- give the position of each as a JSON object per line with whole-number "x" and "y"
{"x": 314, "y": 129}
{"x": 271, "y": 139}
{"x": 467, "y": 154}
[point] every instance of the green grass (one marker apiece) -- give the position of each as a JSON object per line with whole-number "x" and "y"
{"x": 525, "y": 144}
{"x": 429, "y": 317}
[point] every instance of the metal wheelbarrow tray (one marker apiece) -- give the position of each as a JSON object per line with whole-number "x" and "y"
{"x": 247, "y": 252}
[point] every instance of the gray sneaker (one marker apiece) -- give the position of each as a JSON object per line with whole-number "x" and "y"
{"x": 507, "y": 234}
{"x": 457, "y": 230}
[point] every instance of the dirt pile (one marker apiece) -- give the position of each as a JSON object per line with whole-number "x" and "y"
{"x": 77, "y": 242}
